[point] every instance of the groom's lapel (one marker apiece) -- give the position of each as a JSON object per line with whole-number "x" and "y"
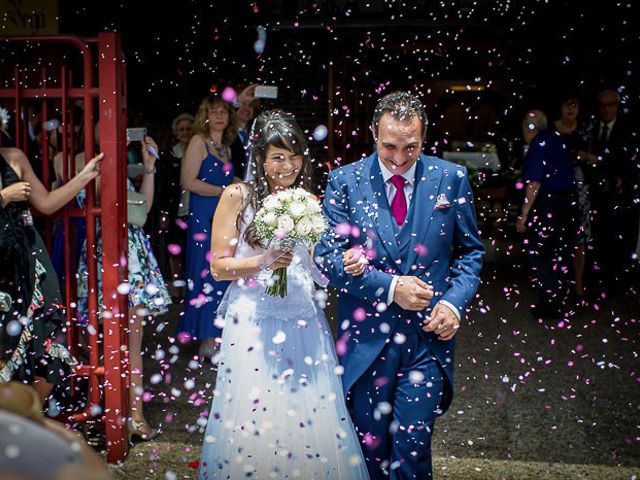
{"x": 372, "y": 188}
{"x": 428, "y": 177}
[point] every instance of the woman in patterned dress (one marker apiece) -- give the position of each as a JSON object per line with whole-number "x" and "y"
{"x": 148, "y": 295}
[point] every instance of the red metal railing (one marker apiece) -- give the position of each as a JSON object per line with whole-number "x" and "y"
{"x": 108, "y": 96}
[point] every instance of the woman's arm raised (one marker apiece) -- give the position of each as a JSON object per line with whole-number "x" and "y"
{"x": 148, "y": 180}
{"x": 49, "y": 202}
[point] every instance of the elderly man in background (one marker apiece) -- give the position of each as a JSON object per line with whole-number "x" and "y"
{"x": 613, "y": 181}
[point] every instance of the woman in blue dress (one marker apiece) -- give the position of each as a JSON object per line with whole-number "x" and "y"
{"x": 206, "y": 171}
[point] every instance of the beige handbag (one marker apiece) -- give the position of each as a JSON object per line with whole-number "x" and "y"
{"x": 136, "y": 208}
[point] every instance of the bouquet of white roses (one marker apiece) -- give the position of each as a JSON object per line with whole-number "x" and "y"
{"x": 287, "y": 218}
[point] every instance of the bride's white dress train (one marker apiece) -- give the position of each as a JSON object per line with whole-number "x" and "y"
{"x": 278, "y": 409}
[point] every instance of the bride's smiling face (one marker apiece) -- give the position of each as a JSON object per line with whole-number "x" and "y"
{"x": 281, "y": 167}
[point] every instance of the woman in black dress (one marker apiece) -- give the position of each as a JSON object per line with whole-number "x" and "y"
{"x": 32, "y": 320}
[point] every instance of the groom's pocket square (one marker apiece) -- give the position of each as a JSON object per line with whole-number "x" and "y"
{"x": 442, "y": 202}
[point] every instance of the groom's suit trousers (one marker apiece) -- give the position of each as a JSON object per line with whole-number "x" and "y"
{"x": 394, "y": 407}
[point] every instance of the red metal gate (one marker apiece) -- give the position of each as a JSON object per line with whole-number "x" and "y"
{"x": 105, "y": 94}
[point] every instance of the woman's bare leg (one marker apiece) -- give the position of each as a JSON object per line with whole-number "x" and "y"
{"x": 175, "y": 265}
{"x": 135, "y": 363}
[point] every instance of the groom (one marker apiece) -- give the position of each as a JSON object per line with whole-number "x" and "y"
{"x": 413, "y": 215}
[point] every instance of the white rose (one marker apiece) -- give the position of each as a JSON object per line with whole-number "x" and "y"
{"x": 300, "y": 194}
{"x": 319, "y": 225}
{"x": 285, "y": 223}
{"x": 270, "y": 219}
{"x": 313, "y": 206}
{"x": 304, "y": 227}
{"x": 297, "y": 209}
{"x": 285, "y": 196}
{"x": 271, "y": 202}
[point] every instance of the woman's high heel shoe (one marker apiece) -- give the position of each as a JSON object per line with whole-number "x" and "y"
{"x": 137, "y": 433}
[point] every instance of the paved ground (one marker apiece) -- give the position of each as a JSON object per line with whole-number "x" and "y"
{"x": 533, "y": 400}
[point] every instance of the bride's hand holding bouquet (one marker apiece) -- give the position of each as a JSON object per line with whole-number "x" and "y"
{"x": 288, "y": 218}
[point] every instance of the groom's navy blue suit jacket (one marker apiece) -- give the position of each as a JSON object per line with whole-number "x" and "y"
{"x": 439, "y": 243}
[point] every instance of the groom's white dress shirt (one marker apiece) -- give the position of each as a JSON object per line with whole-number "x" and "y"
{"x": 390, "y": 189}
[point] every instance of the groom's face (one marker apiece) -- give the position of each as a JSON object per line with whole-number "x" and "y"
{"x": 399, "y": 142}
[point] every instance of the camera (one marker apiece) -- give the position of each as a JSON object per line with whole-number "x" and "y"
{"x": 136, "y": 134}
{"x": 266, "y": 91}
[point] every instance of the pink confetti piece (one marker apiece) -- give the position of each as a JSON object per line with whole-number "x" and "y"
{"x": 184, "y": 337}
{"x": 341, "y": 347}
{"x": 359, "y": 314}
{"x": 342, "y": 229}
{"x": 229, "y": 95}
{"x": 181, "y": 223}
{"x": 381, "y": 381}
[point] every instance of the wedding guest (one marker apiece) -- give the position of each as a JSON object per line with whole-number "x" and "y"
{"x": 574, "y": 136}
{"x": 33, "y": 338}
{"x": 172, "y": 205}
{"x": 61, "y": 248}
{"x": 206, "y": 171}
{"x": 613, "y": 182}
{"x": 245, "y": 105}
{"x": 147, "y": 293}
{"x": 548, "y": 216}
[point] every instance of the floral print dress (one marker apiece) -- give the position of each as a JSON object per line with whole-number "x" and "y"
{"x": 145, "y": 282}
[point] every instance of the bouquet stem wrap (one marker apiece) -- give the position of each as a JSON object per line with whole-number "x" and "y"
{"x": 279, "y": 286}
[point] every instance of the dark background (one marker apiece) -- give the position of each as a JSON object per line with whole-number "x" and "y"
{"x": 333, "y": 59}
{"x": 527, "y": 52}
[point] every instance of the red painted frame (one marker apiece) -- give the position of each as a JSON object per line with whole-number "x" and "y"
{"x": 109, "y": 89}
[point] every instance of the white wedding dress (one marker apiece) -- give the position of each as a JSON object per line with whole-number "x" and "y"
{"x": 278, "y": 408}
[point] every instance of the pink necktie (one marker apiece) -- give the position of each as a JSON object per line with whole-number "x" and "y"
{"x": 399, "y": 203}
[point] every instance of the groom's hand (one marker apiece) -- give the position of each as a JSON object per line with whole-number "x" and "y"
{"x": 443, "y": 322}
{"x": 412, "y": 294}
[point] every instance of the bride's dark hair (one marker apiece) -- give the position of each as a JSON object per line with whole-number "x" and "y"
{"x": 279, "y": 129}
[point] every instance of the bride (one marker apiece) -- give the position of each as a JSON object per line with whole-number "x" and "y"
{"x": 278, "y": 409}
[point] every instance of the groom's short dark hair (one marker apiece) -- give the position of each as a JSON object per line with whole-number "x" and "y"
{"x": 403, "y": 106}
